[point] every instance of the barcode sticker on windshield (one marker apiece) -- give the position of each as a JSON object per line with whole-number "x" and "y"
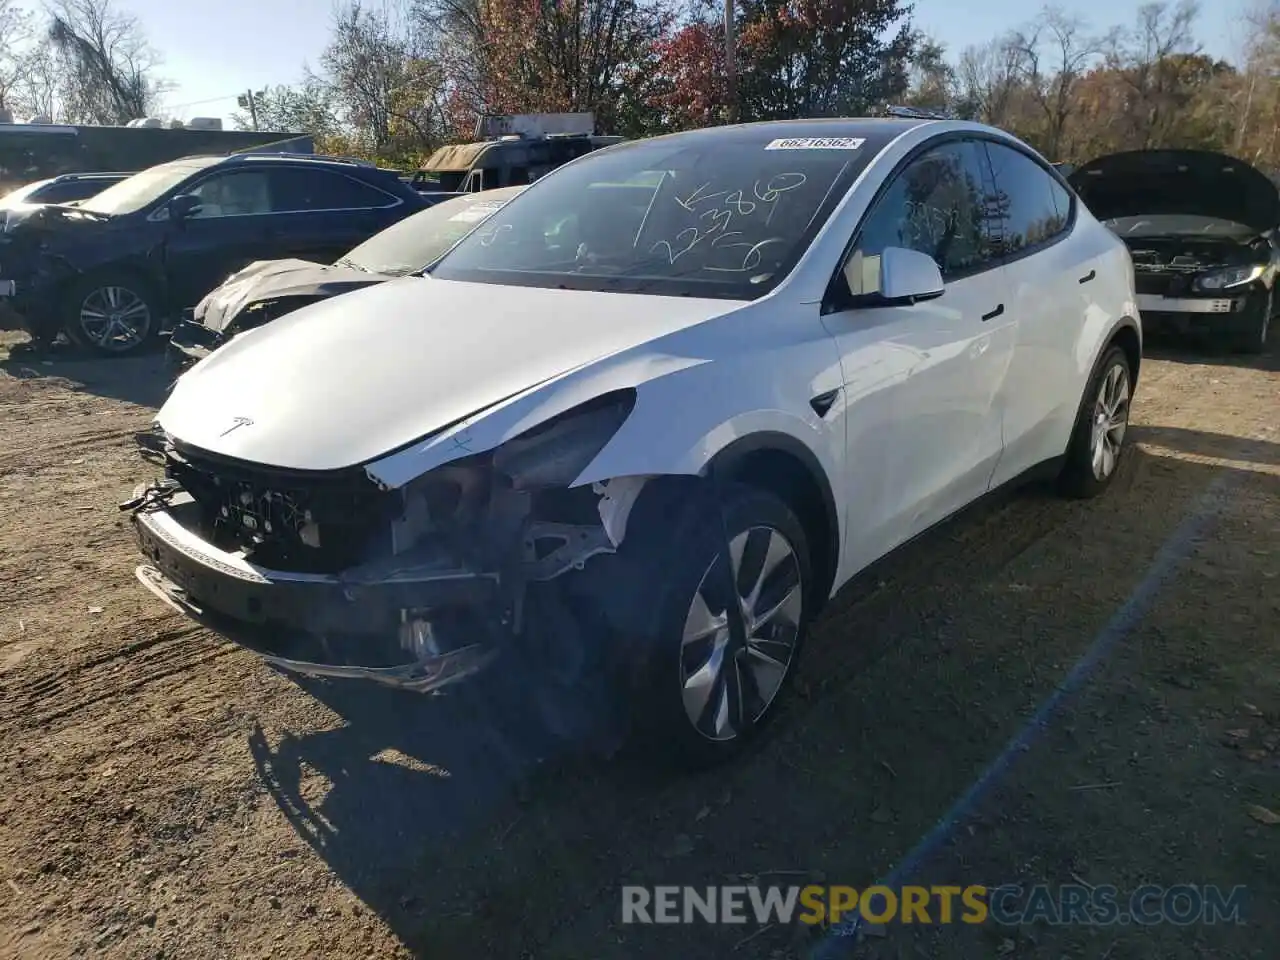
{"x": 816, "y": 143}
{"x": 478, "y": 211}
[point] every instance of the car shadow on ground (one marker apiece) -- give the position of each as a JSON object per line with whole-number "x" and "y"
{"x": 466, "y": 838}
{"x": 141, "y": 379}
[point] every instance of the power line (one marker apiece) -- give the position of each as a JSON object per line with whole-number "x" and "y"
{"x": 197, "y": 103}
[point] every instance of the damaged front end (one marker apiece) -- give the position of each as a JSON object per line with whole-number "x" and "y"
{"x": 332, "y": 574}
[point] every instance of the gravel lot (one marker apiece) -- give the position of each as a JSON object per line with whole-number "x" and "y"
{"x": 168, "y": 795}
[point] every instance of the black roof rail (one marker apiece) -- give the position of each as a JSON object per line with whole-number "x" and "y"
{"x": 93, "y": 173}
{"x": 322, "y": 157}
{"x": 916, "y": 113}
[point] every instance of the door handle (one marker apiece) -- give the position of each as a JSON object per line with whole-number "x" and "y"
{"x": 1089, "y": 276}
{"x": 994, "y": 313}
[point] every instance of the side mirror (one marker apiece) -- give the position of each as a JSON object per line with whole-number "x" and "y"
{"x": 184, "y": 205}
{"x": 907, "y": 276}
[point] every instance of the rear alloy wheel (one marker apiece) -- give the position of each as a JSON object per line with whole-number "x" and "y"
{"x": 1097, "y": 443}
{"x": 112, "y": 317}
{"x": 1110, "y": 422}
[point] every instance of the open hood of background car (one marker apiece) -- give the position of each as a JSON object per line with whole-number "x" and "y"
{"x": 277, "y": 280}
{"x": 1189, "y": 182}
{"x": 346, "y": 380}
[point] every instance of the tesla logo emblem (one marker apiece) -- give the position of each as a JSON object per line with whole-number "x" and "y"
{"x": 236, "y": 424}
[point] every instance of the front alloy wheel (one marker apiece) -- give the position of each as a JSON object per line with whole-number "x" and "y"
{"x": 741, "y": 633}
{"x": 114, "y": 318}
{"x": 1110, "y": 420}
{"x": 716, "y": 598}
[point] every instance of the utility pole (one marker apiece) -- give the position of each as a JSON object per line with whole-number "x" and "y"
{"x": 730, "y": 64}
{"x": 253, "y": 108}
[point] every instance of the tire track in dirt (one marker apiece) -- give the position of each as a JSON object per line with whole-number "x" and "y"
{"x": 27, "y": 456}
{"x": 42, "y": 699}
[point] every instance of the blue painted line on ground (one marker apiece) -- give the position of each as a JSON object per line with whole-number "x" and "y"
{"x": 842, "y": 937}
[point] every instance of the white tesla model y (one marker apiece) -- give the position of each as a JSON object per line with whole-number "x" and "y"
{"x": 626, "y": 437}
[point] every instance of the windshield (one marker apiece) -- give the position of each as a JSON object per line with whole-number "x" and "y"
{"x": 419, "y": 240}
{"x": 693, "y": 215}
{"x": 133, "y": 193}
{"x": 20, "y": 195}
{"x": 1178, "y": 225}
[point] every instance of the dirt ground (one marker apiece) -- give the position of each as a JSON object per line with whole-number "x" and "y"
{"x": 166, "y": 795}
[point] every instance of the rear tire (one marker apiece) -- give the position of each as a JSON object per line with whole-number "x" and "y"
{"x": 1097, "y": 442}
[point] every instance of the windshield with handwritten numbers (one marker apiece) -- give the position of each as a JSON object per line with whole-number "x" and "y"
{"x": 664, "y": 219}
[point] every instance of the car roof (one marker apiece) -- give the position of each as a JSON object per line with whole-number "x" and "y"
{"x": 878, "y": 131}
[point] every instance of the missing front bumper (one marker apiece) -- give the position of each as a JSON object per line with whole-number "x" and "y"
{"x": 320, "y": 625}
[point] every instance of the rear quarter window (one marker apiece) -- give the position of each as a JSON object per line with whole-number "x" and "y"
{"x": 296, "y": 190}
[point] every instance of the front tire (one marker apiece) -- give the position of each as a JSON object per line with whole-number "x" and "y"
{"x": 112, "y": 315}
{"x": 1097, "y": 443}
{"x": 1253, "y": 332}
{"x": 732, "y": 599}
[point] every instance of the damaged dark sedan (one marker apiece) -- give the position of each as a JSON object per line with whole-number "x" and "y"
{"x": 1201, "y": 229}
{"x": 268, "y": 289}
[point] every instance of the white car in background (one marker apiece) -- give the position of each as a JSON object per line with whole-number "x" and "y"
{"x": 627, "y": 437}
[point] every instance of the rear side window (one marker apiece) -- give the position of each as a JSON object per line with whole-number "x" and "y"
{"x": 69, "y": 190}
{"x": 936, "y": 206}
{"x": 297, "y": 190}
{"x": 1034, "y": 206}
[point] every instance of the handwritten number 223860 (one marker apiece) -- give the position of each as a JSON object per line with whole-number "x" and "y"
{"x": 718, "y": 218}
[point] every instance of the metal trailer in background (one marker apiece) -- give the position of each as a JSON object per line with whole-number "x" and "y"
{"x": 510, "y": 151}
{"x": 32, "y": 151}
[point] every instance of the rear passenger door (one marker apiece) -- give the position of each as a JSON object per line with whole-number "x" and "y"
{"x": 1048, "y": 276}
{"x": 321, "y": 214}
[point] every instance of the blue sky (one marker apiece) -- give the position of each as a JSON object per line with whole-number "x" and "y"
{"x": 268, "y": 41}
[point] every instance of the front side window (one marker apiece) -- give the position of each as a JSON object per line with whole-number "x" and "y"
{"x": 937, "y": 205}
{"x": 1035, "y": 207}
{"x": 694, "y": 216}
{"x": 238, "y": 193}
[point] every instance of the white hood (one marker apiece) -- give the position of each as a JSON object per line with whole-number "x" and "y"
{"x": 349, "y": 379}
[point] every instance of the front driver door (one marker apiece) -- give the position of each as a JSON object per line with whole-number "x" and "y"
{"x": 920, "y": 381}
{"x": 228, "y": 231}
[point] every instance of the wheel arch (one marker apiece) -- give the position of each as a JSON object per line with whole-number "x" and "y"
{"x": 784, "y": 466}
{"x": 1128, "y": 337}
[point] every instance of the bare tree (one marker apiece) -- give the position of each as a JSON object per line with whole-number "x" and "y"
{"x": 107, "y": 67}
{"x": 1146, "y": 57}
{"x": 989, "y": 79}
{"x": 1056, "y": 51}
{"x": 36, "y": 92}
{"x": 16, "y": 35}
{"x": 385, "y": 83}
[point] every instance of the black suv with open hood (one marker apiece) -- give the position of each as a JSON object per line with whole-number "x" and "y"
{"x": 1201, "y": 228}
